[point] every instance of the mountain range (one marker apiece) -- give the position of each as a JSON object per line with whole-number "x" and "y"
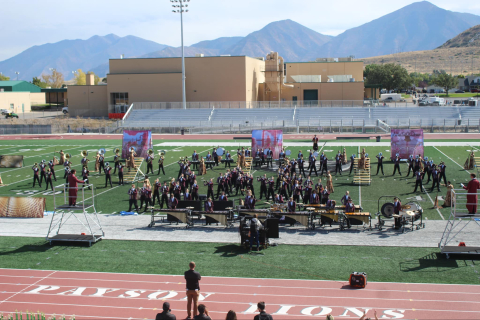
{"x": 418, "y": 26}
{"x": 468, "y": 38}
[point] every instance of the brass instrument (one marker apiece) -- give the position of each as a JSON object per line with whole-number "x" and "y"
{"x": 117, "y": 150}
{"x": 84, "y": 153}
{"x": 35, "y": 164}
{"x": 68, "y": 156}
{"x": 162, "y": 152}
{"x": 101, "y": 151}
{"x": 56, "y": 160}
{"x": 150, "y": 151}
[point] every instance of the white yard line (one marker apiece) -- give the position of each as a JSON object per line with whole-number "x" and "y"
{"x": 433, "y": 203}
{"x": 452, "y": 160}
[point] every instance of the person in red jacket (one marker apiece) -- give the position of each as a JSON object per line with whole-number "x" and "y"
{"x": 472, "y": 187}
{"x": 209, "y": 205}
{"x": 73, "y": 182}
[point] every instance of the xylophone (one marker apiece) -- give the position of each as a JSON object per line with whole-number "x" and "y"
{"x": 319, "y": 207}
{"x": 223, "y": 217}
{"x": 173, "y": 215}
{"x": 226, "y": 160}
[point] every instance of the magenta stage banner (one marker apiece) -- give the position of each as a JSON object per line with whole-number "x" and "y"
{"x": 140, "y": 140}
{"x": 406, "y": 142}
{"x": 267, "y": 139}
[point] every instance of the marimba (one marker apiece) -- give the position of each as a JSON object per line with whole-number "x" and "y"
{"x": 223, "y": 217}
{"x": 173, "y": 215}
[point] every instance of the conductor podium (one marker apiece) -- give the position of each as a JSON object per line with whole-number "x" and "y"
{"x": 74, "y": 217}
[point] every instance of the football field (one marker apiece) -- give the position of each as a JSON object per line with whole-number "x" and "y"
{"x": 18, "y": 181}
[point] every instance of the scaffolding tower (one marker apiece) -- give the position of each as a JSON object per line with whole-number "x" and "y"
{"x": 458, "y": 220}
{"x": 62, "y": 227}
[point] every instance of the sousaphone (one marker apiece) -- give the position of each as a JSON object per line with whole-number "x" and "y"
{"x": 117, "y": 150}
{"x": 162, "y": 152}
{"x": 84, "y": 153}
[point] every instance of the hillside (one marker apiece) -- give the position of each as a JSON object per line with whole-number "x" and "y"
{"x": 418, "y": 26}
{"x": 454, "y": 60}
{"x": 68, "y": 55}
{"x": 468, "y": 38}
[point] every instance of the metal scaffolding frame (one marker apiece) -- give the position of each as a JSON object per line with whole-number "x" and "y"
{"x": 84, "y": 212}
{"x": 458, "y": 220}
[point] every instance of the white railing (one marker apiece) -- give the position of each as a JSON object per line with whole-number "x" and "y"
{"x": 127, "y": 114}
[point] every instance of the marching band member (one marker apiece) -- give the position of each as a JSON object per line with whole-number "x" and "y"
{"x": 435, "y": 178}
{"x": 220, "y": 184}
{"x": 194, "y": 160}
{"x": 187, "y": 196}
{"x": 132, "y": 198}
{"x": 97, "y": 162}
{"x": 345, "y": 198}
{"x": 449, "y": 197}
{"x": 271, "y": 185}
{"x": 108, "y": 177}
{"x": 160, "y": 165}
{"x": 344, "y": 156}
{"x": 301, "y": 168}
{"x": 397, "y": 207}
{"x": 352, "y": 161}
{"x": 228, "y": 159}
{"x": 442, "y": 167}
{"x": 315, "y": 143}
{"x": 116, "y": 161}
{"x": 396, "y": 162}
{"x": 416, "y": 166}
{"x": 120, "y": 173}
{"x": 43, "y": 171}
{"x": 73, "y": 182}
{"x": 308, "y": 193}
{"x": 263, "y": 185}
{"x": 143, "y": 197}
{"x": 203, "y": 168}
{"x": 85, "y": 174}
{"x": 148, "y": 195}
{"x": 62, "y": 157}
{"x": 411, "y": 163}
{"x": 177, "y": 191}
{"x": 380, "y": 158}
{"x": 325, "y": 195}
{"x": 278, "y": 198}
{"x": 48, "y": 179}
{"x": 194, "y": 190}
{"x": 426, "y": 169}
{"x": 338, "y": 163}
{"x": 312, "y": 159}
{"x": 297, "y": 191}
{"x": 35, "y": 175}
{"x": 101, "y": 164}
{"x": 330, "y": 182}
{"x": 209, "y": 184}
{"x": 314, "y": 198}
{"x": 300, "y": 154}
{"x": 349, "y": 208}
{"x": 182, "y": 182}
{"x": 291, "y": 205}
{"x": 164, "y": 190}
{"x": 361, "y": 162}
{"x": 418, "y": 180}
{"x": 150, "y": 158}
{"x": 209, "y": 205}
{"x": 67, "y": 173}
{"x": 324, "y": 165}
{"x": 223, "y": 197}
{"x": 131, "y": 158}
{"x": 51, "y": 165}
{"x": 215, "y": 156}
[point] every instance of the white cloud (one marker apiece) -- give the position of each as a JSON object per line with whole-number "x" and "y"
{"x": 33, "y": 22}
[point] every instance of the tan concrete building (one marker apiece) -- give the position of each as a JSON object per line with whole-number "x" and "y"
{"x": 20, "y": 102}
{"x": 223, "y": 78}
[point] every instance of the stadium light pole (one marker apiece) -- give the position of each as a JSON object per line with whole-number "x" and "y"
{"x": 178, "y": 7}
{"x": 17, "y": 73}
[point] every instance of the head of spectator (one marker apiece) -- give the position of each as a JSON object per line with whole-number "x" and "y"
{"x": 201, "y": 308}
{"x": 166, "y": 306}
{"x": 231, "y": 315}
{"x": 261, "y": 306}
{"x": 192, "y": 265}
{"x": 329, "y": 317}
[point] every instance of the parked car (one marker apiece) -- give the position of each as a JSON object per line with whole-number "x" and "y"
{"x": 4, "y": 111}
{"x": 422, "y": 103}
{"x": 11, "y": 115}
{"x": 65, "y": 110}
{"x": 459, "y": 91}
{"x": 474, "y": 90}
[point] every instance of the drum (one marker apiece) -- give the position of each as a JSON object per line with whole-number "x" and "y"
{"x": 411, "y": 210}
{"x": 220, "y": 151}
{"x": 387, "y": 210}
{"x": 288, "y": 153}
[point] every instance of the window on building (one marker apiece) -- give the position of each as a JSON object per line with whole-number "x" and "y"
{"x": 340, "y": 78}
{"x": 119, "y": 98}
{"x": 12, "y": 106}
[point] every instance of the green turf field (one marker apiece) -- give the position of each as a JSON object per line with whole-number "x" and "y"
{"x": 18, "y": 181}
{"x": 389, "y": 264}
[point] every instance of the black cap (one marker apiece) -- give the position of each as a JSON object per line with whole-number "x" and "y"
{"x": 166, "y": 306}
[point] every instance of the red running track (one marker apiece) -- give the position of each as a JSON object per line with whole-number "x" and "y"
{"x": 91, "y": 295}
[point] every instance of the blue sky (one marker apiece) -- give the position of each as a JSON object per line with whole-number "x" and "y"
{"x": 26, "y": 23}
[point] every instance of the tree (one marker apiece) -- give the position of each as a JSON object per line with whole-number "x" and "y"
{"x": 39, "y": 83}
{"x": 390, "y": 76}
{"x": 4, "y": 78}
{"x": 446, "y": 81}
{"x": 54, "y": 80}
{"x": 81, "y": 78}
